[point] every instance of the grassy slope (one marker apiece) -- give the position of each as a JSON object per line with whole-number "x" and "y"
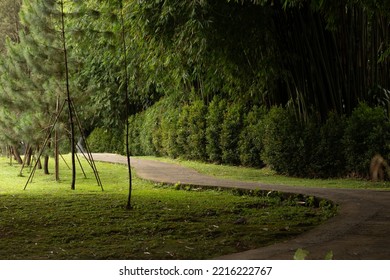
{"x": 49, "y": 221}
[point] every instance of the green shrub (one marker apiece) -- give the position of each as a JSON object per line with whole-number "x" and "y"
{"x": 310, "y": 138}
{"x": 367, "y": 133}
{"x": 169, "y": 124}
{"x": 251, "y": 138}
{"x": 146, "y": 132}
{"x": 214, "y": 119}
{"x": 283, "y": 143}
{"x": 221, "y": 133}
{"x": 230, "y": 133}
{"x": 308, "y": 149}
{"x": 157, "y": 131}
{"x": 328, "y": 158}
{"x": 134, "y": 133}
{"x": 183, "y": 132}
{"x": 197, "y": 131}
{"x": 105, "y": 141}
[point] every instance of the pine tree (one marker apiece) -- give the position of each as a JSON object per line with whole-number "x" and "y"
{"x": 43, "y": 45}
{"x": 15, "y": 124}
{"x": 38, "y": 73}
{"x": 9, "y": 21}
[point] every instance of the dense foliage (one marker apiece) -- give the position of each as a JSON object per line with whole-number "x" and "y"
{"x": 207, "y": 80}
{"x": 102, "y": 140}
{"x": 340, "y": 146}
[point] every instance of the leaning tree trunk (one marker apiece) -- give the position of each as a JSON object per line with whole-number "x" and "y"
{"x": 16, "y": 155}
{"x": 27, "y": 156}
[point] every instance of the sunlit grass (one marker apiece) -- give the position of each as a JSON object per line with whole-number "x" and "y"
{"x": 267, "y": 176}
{"x": 50, "y": 221}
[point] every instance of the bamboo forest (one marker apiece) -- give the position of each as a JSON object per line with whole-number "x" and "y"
{"x": 247, "y": 123}
{"x": 301, "y": 86}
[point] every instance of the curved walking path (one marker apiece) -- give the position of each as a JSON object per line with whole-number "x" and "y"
{"x": 361, "y": 230}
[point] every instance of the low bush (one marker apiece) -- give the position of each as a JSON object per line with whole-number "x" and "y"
{"x": 135, "y": 124}
{"x": 226, "y": 134}
{"x": 196, "y": 140}
{"x": 367, "y": 133}
{"x": 169, "y": 126}
{"x": 333, "y": 149}
{"x": 149, "y": 123}
{"x": 230, "y": 133}
{"x": 214, "y": 119}
{"x": 328, "y": 158}
{"x": 310, "y": 149}
{"x": 183, "y": 132}
{"x": 157, "y": 132}
{"x": 250, "y": 144}
{"x": 283, "y": 142}
{"x": 102, "y": 140}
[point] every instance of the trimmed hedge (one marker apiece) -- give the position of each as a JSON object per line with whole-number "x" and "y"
{"x": 367, "y": 133}
{"x": 215, "y": 114}
{"x": 169, "y": 126}
{"x": 328, "y": 158}
{"x": 196, "y": 140}
{"x": 342, "y": 146}
{"x": 183, "y": 132}
{"x": 230, "y": 134}
{"x": 250, "y": 144}
{"x": 104, "y": 140}
{"x": 284, "y": 142}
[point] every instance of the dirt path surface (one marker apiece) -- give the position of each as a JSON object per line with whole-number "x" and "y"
{"x": 361, "y": 230}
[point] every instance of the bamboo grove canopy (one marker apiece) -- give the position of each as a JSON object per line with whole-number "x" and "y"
{"x": 320, "y": 56}
{"x": 315, "y": 56}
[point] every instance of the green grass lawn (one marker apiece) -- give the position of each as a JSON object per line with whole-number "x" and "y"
{"x": 50, "y": 221}
{"x": 267, "y": 176}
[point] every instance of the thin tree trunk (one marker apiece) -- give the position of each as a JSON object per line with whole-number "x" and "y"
{"x": 16, "y": 155}
{"x": 39, "y": 164}
{"x": 46, "y": 165}
{"x": 28, "y": 156}
{"x": 56, "y": 148}
{"x": 128, "y": 206}
{"x": 72, "y": 134}
{"x": 25, "y": 159}
{"x": 10, "y": 154}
